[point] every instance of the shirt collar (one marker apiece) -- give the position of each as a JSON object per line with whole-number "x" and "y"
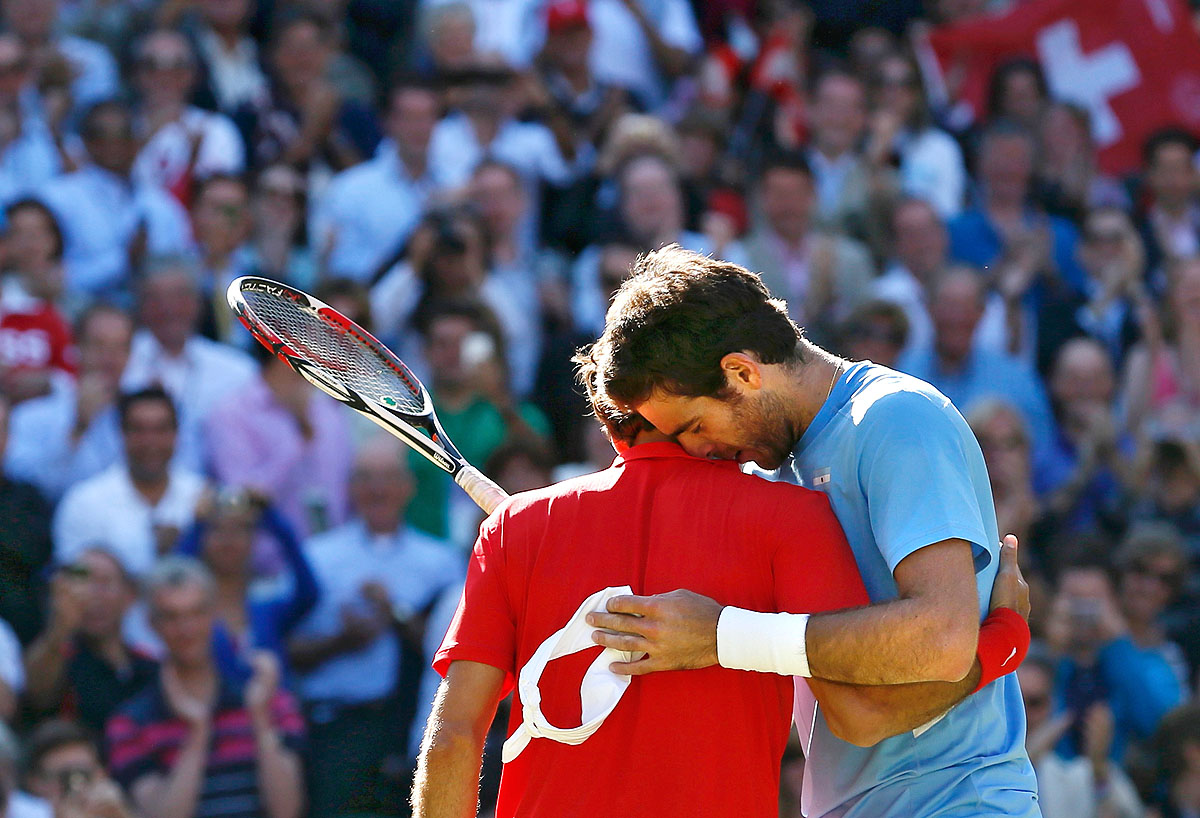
{"x": 659, "y": 450}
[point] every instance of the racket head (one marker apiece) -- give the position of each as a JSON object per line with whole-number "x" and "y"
{"x": 342, "y": 359}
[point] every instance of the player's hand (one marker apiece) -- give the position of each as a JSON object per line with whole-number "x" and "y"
{"x": 1010, "y": 589}
{"x": 676, "y": 631}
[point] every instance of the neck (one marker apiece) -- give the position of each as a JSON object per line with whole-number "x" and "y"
{"x": 414, "y": 162}
{"x": 383, "y": 527}
{"x": 485, "y": 128}
{"x": 830, "y": 152}
{"x": 151, "y": 487}
{"x": 1003, "y": 206}
{"x": 173, "y": 345}
{"x": 504, "y": 248}
{"x": 108, "y": 645}
{"x": 231, "y": 593}
{"x": 229, "y": 36}
{"x": 951, "y": 361}
{"x": 160, "y": 112}
{"x": 810, "y": 385}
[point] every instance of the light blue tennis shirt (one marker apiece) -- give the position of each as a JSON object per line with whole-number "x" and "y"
{"x": 902, "y": 470}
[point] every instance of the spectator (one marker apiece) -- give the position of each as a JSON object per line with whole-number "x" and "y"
{"x": 139, "y": 507}
{"x": 29, "y": 156}
{"x": 529, "y": 277}
{"x": 1162, "y": 378}
{"x": 1017, "y": 92}
{"x": 474, "y": 406}
{"x": 168, "y": 351}
{"x": 643, "y": 47}
{"x": 1170, "y": 224}
{"x": 80, "y": 666}
{"x": 1150, "y": 564}
{"x": 24, "y": 545}
{"x": 1177, "y": 757}
{"x": 521, "y": 464}
{"x": 1169, "y": 489}
{"x": 233, "y": 75}
{"x": 920, "y": 246}
{"x": 447, "y": 39}
{"x": 1069, "y": 184}
{"x": 485, "y": 125}
{"x": 222, "y": 221}
{"x": 180, "y": 142}
{"x": 1023, "y": 248}
{"x": 876, "y": 331}
{"x": 564, "y": 67}
{"x": 306, "y": 122}
{"x": 63, "y": 767}
{"x": 1004, "y": 437}
{"x": 109, "y": 218}
{"x": 651, "y": 214}
{"x": 1084, "y": 467}
{"x": 73, "y": 433}
{"x": 379, "y": 578}
{"x": 13, "y": 802}
{"x": 1114, "y": 300}
{"x": 851, "y": 187}
{"x": 299, "y": 457}
{"x": 199, "y": 741}
{"x": 279, "y": 240}
{"x": 902, "y": 133}
{"x": 1088, "y": 786}
{"x": 92, "y": 67}
{"x": 822, "y": 276}
{"x": 12, "y": 672}
{"x": 223, "y": 537}
{"x": 35, "y": 340}
{"x": 365, "y": 216}
{"x": 967, "y": 374}
{"x": 1099, "y": 663}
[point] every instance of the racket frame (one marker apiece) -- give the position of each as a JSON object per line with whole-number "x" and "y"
{"x": 436, "y": 447}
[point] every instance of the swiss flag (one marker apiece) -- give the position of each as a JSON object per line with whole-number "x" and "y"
{"x": 1134, "y": 64}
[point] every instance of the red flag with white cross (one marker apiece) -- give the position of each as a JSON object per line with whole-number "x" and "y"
{"x": 1133, "y": 64}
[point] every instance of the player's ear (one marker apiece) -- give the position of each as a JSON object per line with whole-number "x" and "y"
{"x": 742, "y": 371}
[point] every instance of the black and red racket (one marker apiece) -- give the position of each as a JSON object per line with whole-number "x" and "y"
{"x": 346, "y": 362}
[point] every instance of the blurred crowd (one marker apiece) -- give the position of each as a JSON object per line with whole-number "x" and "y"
{"x": 220, "y": 590}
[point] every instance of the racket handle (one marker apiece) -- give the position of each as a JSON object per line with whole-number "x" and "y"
{"x": 480, "y": 488}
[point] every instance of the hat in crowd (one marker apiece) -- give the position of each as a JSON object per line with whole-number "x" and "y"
{"x": 565, "y": 14}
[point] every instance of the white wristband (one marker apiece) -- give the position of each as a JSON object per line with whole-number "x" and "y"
{"x": 765, "y": 642}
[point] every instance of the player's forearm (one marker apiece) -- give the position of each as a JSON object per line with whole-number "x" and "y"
{"x": 900, "y": 642}
{"x": 447, "y": 779}
{"x": 867, "y": 714}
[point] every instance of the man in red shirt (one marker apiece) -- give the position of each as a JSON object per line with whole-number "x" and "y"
{"x": 701, "y": 743}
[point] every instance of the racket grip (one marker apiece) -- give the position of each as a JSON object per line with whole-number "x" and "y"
{"x": 480, "y": 488}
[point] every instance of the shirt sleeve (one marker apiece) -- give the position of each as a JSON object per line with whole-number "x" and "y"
{"x": 484, "y": 628}
{"x": 914, "y": 470}
{"x": 813, "y": 565}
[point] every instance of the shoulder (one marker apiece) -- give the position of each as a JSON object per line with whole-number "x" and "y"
{"x": 354, "y": 178}
{"x": 81, "y": 50}
{"x": 142, "y": 708}
{"x": 429, "y": 548}
{"x": 319, "y": 548}
{"x": 216, "y": 354}
{"x": 95, "y": 489}
{"x": 887, "y": 396}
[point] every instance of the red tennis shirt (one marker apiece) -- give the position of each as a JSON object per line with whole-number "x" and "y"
{"x": 680, "y": 743}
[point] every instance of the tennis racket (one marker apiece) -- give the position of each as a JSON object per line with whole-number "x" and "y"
{"x": 346, "y": 362}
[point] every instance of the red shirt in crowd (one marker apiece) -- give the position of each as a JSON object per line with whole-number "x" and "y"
{"x": 33, "y": 334}
{"x": 681, "y": 743}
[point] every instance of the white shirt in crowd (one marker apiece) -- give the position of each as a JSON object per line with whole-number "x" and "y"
{"x": 42, "y": 451}
{"x": 164, "y": 159}
{"x": 94, "y": 68}
{"x": 621, "y": 54}
{"x": 99, "y": 213}
{"x": 414, "y": 568}
{"x": 455, "y": 150}
{"x": 107, "y": 511}
{"x": 197, "y": 379}
{"x": 236, "y": 74}
{"x": 367, "y": 212}
{"x": 931, "y": 168}
{"x": 27, "y": 162}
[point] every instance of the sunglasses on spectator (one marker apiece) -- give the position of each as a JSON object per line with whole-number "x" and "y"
{"x": 1006, "y": 442}
{"x": 1105, "y": 236}
{"x": 1036, "y": 701}
{"x": 905, "y": 81}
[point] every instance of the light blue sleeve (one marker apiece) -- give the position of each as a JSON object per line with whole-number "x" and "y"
{"x": 915, "y": 469}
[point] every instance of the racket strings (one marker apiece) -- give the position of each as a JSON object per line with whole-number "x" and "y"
{"x": 343, "y": 355}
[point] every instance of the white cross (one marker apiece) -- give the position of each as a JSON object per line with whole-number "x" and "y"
{"x": 1090, "y": 80}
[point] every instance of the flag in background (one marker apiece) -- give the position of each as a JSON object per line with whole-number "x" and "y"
{"x": 1133, "y": 64}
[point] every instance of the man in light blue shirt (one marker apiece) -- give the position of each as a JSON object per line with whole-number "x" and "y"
{"x": 110, "y": 222}
{"x": 368, "y": 211}
{"x": 699, "y": 349}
